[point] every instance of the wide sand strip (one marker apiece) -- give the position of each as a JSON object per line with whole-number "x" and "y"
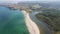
{"x": 32, "y": 27}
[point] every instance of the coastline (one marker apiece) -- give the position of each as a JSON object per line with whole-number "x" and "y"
{"x": 31, "y": 25}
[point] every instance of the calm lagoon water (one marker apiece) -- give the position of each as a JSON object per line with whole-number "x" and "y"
{"x": 12, "y": 22}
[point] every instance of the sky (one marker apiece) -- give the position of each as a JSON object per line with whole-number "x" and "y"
{"x": 15, "y": 1}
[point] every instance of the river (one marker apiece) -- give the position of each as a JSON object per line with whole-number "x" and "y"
{"x": 40, "y": 23}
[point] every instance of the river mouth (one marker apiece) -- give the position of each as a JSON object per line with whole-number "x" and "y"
{"x": 12, "y": 21}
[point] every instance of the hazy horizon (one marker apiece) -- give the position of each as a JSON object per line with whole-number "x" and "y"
{"x": 16, "y": 1}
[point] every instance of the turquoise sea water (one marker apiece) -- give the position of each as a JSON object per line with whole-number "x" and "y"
{"x": 12, "y": 22}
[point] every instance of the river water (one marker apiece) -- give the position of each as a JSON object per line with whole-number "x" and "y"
{"x": 12, "y": 21}
{"x": 41, "y": 24}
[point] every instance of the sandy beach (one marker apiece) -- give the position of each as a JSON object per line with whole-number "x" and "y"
{"x": 32, "y": 27}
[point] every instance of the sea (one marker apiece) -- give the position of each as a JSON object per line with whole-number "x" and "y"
{"x": 12, "y": 21}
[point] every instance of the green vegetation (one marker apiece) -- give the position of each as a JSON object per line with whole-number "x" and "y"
{"x": 52, "y": 18}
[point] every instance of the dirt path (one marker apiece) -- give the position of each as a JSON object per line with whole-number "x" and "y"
{"x": 32, "y": 27}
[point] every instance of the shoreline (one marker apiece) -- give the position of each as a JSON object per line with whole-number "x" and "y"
{"x": 31, "y": 25}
